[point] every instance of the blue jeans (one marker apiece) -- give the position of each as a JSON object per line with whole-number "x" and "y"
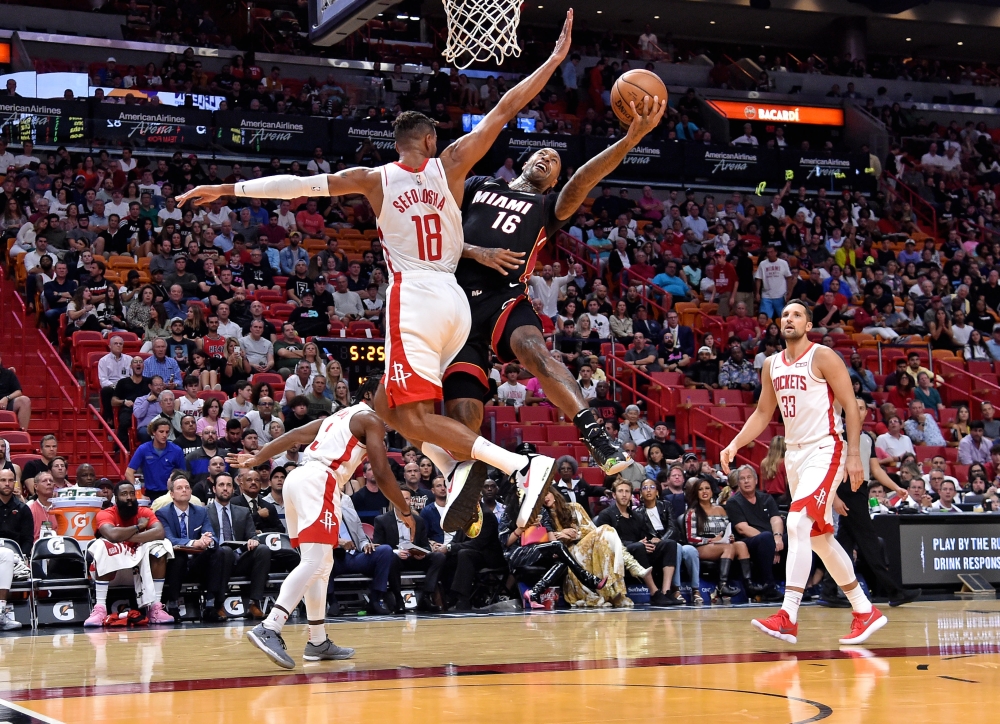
{"x": 772, "y": 307}
{"x": 689, "y": 555}
{"x": 375, "y": 565}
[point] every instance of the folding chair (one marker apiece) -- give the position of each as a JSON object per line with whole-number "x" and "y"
{"x": 59, "y": 569}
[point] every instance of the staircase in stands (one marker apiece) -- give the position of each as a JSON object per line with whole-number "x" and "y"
{"x": 59, "y": 406}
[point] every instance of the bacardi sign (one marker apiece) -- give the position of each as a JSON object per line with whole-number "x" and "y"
{"x": 776, "y": 113}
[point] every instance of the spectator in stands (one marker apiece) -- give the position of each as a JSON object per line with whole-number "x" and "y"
{"x": 921, "y": 427}
{"x": 16, "y": 524}
{"x": 705, "y": 526}
{"x": 772, "y": 277}
{"x": 420, "y": 497}
{"x": 634, "y": 429}
{"x": 632, "y": 530}
{"x": 662, "y": 524}
{"x": 159, "y": 365}
{"x": 355, "y": 553}
{"x": 747, "y": 139}
{"x": 235, "y": 524}
{"x": 155, "y": 460}
{"x": 757, "y": 523}
{"x": 607, "y": 408}
{"x": 893, "y": 444}
{"x": 13, "y": 398}
{"x": 112, "y": 368}
{"x": 187, "y": 526}
{"x": 670, "y": 282}
{"x": 991, "y": 426}
{"x": 738, "y": 373}
{"x": 48, "y": 449}
{"x": 975, "y": 447}
{"x": 259, "y": 420}
{"x": 773, "y": 480}
{"x": 512, "y": 392}
{"x": 642, "y": 354}
{"x": 410, "y": 555}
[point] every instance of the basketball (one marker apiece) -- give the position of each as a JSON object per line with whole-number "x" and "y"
{"x": 632, "y": 87}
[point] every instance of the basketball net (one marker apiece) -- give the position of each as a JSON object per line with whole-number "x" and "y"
{"x": 481, "y": 30}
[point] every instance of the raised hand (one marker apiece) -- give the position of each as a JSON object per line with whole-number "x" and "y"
{"x": 202, "y": 195}
{"x": 561, "y": 50}
{"x": 646, "y": 118}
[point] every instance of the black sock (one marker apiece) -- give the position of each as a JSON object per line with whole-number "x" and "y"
{"x": 585, "y": 421}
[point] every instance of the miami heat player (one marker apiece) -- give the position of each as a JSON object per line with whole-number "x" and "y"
{"x": 521, "y": 217}
{"x": 810, "y": 385}
{"x": 336, "y": 446}
{"x": 417, "y": 201}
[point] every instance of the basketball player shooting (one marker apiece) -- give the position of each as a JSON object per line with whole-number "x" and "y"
{"x": 418, "y": 203}
{"x": 810, "y": 385}
{"x": 336, "y": 446}
{"x": 521, "y": 217}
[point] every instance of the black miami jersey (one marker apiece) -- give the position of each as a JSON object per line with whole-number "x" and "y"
{"x": 496, "y": 217}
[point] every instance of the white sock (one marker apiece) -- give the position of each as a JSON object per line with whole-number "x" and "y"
{"x": 157, "y": 588}
{"x": 317, "y": 633}
{"x": 859, "y": 601}
{"x": 440, "y": 457}
{"x": 791, "y": 604}
{"x": 101, "y": 593}
{"x": 510, "y": 463}
{"x": 275, "y": 620}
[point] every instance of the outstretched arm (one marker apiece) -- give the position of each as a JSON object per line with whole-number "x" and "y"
{"x": 349, "y": 181}
{"x": 371, "y": 429}
{"x": 756, "y": 423}
{"x": 591, "y": 173}
{"x": 459, "y": 158}
{"x": 299, "y": 436}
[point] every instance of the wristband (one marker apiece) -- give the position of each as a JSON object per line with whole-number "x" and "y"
{"x": 408, "y": 514}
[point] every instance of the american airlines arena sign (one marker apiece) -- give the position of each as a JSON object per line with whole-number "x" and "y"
{"x": 776, "y": 113}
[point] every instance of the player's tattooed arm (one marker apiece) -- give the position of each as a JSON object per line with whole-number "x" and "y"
{"x": 502, "y": 260}
{"x": 591, "y": 173}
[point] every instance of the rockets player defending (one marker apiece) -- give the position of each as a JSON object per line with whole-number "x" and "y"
{"x": 336, "y": 446}
{"x": 522, "y": 216}
{"x": 809, "y": 384}
{"x": 418, "y": 202}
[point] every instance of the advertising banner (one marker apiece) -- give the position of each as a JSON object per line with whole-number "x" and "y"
{"x": 151, "y": 125}
{"x": 271, "y": 133}
{"x": 42, "y": 121}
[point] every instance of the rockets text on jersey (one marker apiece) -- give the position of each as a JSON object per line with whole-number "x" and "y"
{"x": 806, "y": 403}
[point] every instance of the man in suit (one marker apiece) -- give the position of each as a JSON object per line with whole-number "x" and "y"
{"x": 466, "y": 556}
{"x": 391, "y": 531}
{"x": 235, "y": 523}
{"x": 188, "y": 526}
{"x": 683, "y": 336}
{"x": 265, "y": 515}
{"x": 355, "y": 553}
{"x": 431, "y": 513}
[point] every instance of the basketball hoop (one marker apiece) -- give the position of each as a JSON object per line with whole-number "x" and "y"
{"x": 481, "y": 30}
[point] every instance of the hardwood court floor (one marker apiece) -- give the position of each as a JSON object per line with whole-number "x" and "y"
{"x": 936, "y": 661}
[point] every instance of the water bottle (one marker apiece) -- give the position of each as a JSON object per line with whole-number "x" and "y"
{"x": 873, "y": 506}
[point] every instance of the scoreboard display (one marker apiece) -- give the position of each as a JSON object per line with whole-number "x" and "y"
{"x": 359, "y": 358}
{"x": 42, "y": 121}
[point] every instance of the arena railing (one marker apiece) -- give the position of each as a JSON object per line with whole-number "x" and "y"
{"x": 921, "y": 207}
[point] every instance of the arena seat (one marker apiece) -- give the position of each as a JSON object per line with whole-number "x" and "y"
{"x": 8, "y": 421}
{"x": 59, "y": 564}
{"x": 17, "y": 440}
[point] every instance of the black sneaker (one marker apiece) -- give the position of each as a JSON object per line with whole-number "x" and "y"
{"x": 662, "y": 600}
{"x": 908, "y": 595}
{"x": 465, "y": 487}
{"x": 772, "y": 595}
{"x": 606, "y": 451}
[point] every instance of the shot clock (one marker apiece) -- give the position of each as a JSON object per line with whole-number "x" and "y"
{"x": 359, "y": 357}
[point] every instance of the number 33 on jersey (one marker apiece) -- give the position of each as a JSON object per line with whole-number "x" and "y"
{"x": 419, "y": 223}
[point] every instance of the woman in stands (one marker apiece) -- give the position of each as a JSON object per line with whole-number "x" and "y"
{"x": 334, "y": 374}
{"x": 598, "y": 550}
{"x": 236, "y": 367}
{"x": 861, "y": 393}
{"x": 940, "y": 331}
{"x": 111, "y": 315}
{"x": 976, "y": 349}
{"x": 132, "y": 192}
{"x": 212, "y": 417}
{"x": 311, "y": 354}
{"x": 427, "y": 472}
{"x": 706, "y": 526}
{"x": 157, "y": 327}
{"x": 982, "y": 318}
{"x": 264, "y": 389}
{"x": 621, "y": 324}
{"x": 13, "y": 219}
{"x": 902, "y": 393}
{"x": 194, "y": 324}
{"x": 81, "y": 313}
{"x": 27, "y": 234}
{"x": 569, "y": 309}
{"x": 907, "y": 321}
{"x": 959, "y": 427}
{"x": 129, "y": 289}
{"x": 200, "y": 368}
{"x": 140, "y": 310}
{"x": 871, "y": 321}
{"x": 342, "y": 396}
{"x": 772, "y": 472}
{"x": 772, "y": 336}
{"x": 6, "y": 464}
{"x": 151, "y": 78}
{"x": 656, "y": 462}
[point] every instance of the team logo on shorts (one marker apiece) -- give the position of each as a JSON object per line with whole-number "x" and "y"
{"x": 820, "y": 498}
{"x": 399, "y": 374}
{"x": 327, "y": 521}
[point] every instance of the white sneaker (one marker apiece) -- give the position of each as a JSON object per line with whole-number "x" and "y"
{"x": 21, "y": 571}
{"x": 465, "y": 487}
{"x": 534, "y": 482}
{"x": 7, "y": 620}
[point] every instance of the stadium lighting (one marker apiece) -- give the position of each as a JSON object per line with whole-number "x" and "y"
{"x": 414, "y": 17}
{"x": 711, "y": 22}
{"x": 908, "y": 40}
{"x": 960, "y": 42}
{"x": 402, "y": 16}
{"x": 767, "y": 27}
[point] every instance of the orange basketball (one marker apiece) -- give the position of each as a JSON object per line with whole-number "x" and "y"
{"x": 632, "y": 87}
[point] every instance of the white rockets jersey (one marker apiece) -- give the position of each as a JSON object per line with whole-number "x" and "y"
{"x": 420, "y": 224}
{"x": 807, "y": 406}
{"x": 335, "y": 446}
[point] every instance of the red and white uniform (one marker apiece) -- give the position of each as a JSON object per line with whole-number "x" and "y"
{"x": 814, "y": 436}
{"x": 312, "y": 490}
{"x": 427, "y": 313}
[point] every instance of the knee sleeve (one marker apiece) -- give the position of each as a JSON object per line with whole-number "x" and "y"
{"x": 799, "y": 561}
{"x": 838, "y": 564}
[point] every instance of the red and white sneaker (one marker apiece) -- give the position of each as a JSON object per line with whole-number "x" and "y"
{"x": 157, "y": 614}
{"x": 779, "y": 626}
{"x": 96, "y": 617}
{"x": 534, "y": 482}
{"x": 864, "y": 625}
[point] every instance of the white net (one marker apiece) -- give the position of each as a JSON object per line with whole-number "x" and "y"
{"x": 481, "y": 30}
